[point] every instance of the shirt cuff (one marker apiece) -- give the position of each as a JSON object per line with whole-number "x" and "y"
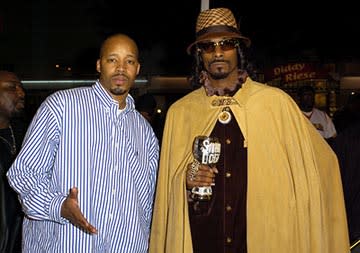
{"x": 55, "y": 209}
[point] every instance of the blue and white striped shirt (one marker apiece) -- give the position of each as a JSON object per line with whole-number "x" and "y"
{"x": 78, "y": 139}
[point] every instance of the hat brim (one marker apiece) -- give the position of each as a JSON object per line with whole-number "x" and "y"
{"x": 208, "y": 36}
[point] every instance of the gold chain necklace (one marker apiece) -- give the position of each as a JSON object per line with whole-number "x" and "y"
{"x": 13, "y": 145}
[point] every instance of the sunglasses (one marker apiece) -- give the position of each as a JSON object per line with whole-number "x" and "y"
{"x": 225, "y": 45}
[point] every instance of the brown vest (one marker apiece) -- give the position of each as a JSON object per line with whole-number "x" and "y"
{"x": 219, "y": 225}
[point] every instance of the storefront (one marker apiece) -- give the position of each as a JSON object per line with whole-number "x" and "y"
{"x": 291, "y": 76}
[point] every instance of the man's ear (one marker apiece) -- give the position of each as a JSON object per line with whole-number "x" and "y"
{"x": 98, "y": 69}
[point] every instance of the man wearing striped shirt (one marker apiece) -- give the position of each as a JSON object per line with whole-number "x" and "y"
{"x": 87, "y": 170}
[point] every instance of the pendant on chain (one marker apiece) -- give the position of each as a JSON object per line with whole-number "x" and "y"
{"x": 225, "y": 116}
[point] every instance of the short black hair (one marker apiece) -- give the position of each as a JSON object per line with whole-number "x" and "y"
{"x": 305, "y": 88}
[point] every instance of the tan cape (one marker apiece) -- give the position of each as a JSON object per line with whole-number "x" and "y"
{"x": 294, "y": 200}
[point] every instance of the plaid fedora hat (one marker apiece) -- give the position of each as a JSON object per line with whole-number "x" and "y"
{"x": 218, "y": 22}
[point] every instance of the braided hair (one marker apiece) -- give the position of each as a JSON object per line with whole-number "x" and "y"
{"x": 198, "y": 65}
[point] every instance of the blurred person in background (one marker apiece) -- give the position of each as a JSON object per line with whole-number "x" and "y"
{"x": 320, "y": 119}
{"x": 12, "y": 102}
{"x": 347, "y": 148}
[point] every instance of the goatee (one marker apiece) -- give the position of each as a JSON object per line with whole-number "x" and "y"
{"x": 117, "y": 91}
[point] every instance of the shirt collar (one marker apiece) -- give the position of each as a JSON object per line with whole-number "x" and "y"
{"x": 108, "y": 101}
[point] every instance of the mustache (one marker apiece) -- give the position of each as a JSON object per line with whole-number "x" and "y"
{"x": 120, "y": 75}
{"x": 218, "y": 61}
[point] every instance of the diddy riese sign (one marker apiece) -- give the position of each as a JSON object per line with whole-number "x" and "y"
{"x": 295, "y": 72}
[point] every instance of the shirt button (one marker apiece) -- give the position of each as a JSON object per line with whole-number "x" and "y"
{"x": 228, "y": 141}
{"x": 228, "y": 240}
{"x": 227, "y": 174}
{"x": 113, "y": 191}
{"x": 228, "y": 208}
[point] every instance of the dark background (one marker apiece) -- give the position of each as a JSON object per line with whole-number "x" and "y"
{"x": 37, "y": 35}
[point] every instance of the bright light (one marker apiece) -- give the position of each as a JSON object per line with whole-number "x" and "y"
{"x": 57, "y": 66}
{"x": 158, "y": 111}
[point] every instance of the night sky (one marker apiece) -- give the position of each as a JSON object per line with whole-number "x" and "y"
{"x": 37, "y": 35}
